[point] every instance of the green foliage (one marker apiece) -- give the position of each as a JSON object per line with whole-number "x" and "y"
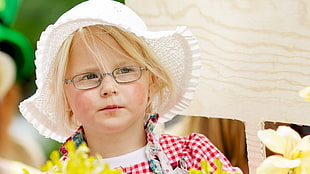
{"x": 35, "y": 15}
{"x": 121, "y": 1}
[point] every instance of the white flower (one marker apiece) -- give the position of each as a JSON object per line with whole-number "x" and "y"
{"x": 294, "y": 152}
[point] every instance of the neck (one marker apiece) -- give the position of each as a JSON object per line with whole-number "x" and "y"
{"x": 116, "y": 144}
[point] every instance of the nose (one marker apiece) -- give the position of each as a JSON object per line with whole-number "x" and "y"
{"x": 108, "y": 86}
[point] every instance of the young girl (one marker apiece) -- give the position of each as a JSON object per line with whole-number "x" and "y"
{"x": 104, "y": 76}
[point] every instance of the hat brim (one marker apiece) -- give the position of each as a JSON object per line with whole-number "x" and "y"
{"x": 178, "y": 50}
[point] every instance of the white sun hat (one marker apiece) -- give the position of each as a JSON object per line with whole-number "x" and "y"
{"x": 177, "y": 49}
{"x": 7, "y": 73}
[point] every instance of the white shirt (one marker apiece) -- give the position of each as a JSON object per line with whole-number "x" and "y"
{"x": 128, "y": 159}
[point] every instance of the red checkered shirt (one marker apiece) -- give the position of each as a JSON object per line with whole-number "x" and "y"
{"x": 191, "y": 149}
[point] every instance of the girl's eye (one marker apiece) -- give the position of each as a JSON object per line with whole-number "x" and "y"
{"x": 89, "y": 76}
{"x": 125, "y": 70}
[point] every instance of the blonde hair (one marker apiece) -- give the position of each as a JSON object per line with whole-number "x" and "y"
{"x": 138, "y": 50}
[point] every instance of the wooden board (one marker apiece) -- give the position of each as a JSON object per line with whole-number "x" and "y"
{"x": 255, "y": 56}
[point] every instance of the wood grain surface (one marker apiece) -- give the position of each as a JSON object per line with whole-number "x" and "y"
{"x": 255, "y": 57}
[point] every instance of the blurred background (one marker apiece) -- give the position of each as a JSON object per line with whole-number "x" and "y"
{"x": 28, "y": 18}
{"x": 31, "y": 18}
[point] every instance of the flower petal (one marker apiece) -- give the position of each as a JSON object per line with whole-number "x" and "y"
{"x": 305, "y": 160}
{"x": 302, "y": 148}
{"x": 277, "y": 165}
{"x": 272, "y": 140}
{"x": 289, "y": 134}
{"x": 304, "y": 144}
{"x": 305, "y": 93}
{"x": 292, "y": 139}
{"x": 283, "y": 141}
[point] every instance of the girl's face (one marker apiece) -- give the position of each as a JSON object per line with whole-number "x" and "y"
{"x": 111, "y": 107}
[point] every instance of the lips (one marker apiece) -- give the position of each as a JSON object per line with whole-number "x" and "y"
{"x": 111, "y": 108}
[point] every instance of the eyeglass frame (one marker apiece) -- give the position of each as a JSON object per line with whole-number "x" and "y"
{"x": 102, "y": 75}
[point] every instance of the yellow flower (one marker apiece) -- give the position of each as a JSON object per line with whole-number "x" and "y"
{"x": 78, "y": 162}
{"x": 305, "y": 93}
{"x": 294, "y": 152}
{"x": 206, "y": 168}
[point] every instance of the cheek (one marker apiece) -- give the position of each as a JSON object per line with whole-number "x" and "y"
{"x": 79, "y": 102}
{"x": 140, "y": 93}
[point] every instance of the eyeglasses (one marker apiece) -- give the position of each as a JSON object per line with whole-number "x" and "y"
{"x": 89, "y": 80}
